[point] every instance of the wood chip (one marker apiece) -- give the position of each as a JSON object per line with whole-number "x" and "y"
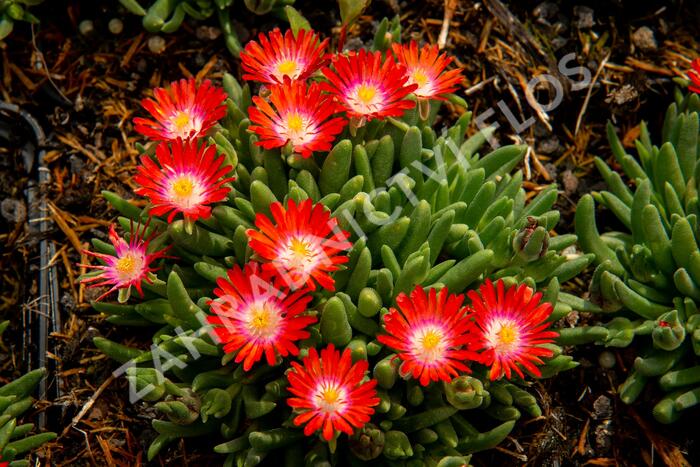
{"x": 58, "y": 217}
{"x": 668, "y": 451}
{"x": 649, "y": 67}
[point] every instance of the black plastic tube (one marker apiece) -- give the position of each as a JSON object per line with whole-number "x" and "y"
{"x": 38, "y": 321}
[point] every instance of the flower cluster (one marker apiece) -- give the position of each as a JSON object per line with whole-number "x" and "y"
{"x": 435, "y": 336}
{"x": 291, "y": 284}
{"x": 186, "y": 177}
{"x": 359, "y": 87}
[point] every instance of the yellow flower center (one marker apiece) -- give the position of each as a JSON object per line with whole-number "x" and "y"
{"x": 300, "y": 255}
{"x": 300, "y": 248}
{"x": 366, "y": 93}
{"x": 330, "y": 399}
{"x": 287, "y": 67}
{"x": 263, "y": 321}
{"x": 295, "y": 123}
{"x": 431, "y": 339}
{"x": 507, "y": 334}
{"x": 129, "y": 266}
{"x": 428, "y": 345}
{"x": 330, "y": 396}
{"x": 181, "y": 120}
{"x": 504, "y": 336}
{"x": 125, "y": 265}
{"x": 420, "y": 78}
{"x": 185, "y": 191}
{"x": 183, "y": 187}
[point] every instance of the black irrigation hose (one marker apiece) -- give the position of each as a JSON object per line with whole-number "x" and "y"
{"x": 40, "y": 315}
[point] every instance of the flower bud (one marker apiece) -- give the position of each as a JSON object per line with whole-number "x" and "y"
{"x": 642, "y": 263}
{"x": 181, "y": 410}
{"x": 464, "y": 392}
{"x": 367, "y": 443}
{"x": 397, "y": 445}
{"x": 669, "y": 332}
{"x": 531, "y": 242}
{"x": 216, "y": 402}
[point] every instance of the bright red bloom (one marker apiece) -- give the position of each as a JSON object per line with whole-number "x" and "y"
{"x": 184, "y": 110}
{"x": 694, "y": 75}
{"x": 368, "y": 85}
{"x": 303, "y": 244}
{"x": 188, "y": 180}
{"x": 426, "y": 70}
{"x": 278, "y": 56}
{"x": 330, "y": 393}
{"x": 254, "y": 317}
{"x": 301, "y": 115}
{"x": 130, "y": 265}
{"x": 430, "y": 333}
{"x": 511, "y": 328}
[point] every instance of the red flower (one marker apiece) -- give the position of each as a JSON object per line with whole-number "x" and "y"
{"x": 278, "y": 56}
{"x": 254, "y": 317}
{"x": 182, "y": 111}
{"x": 301, "y": 115}
{"x": 694, "y": 76}
{"x": 426, "y": 70}
{"x": 330, "y": 393}
{"x": 430, "y": 333}
{"x": 130, "y": 265}
{"x": 187, "y": 179}
{"x": 511, "y": 328}
{"x": 302, "y": 246}
{"x": 368, "y": 85}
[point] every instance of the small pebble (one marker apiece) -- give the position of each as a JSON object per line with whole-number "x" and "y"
{"x": 602, "y": 408}
{"x": 572, "y": 318}
{"x": 548, "y": 145}
{"x": 156, "y": 44}
{"x": 115, "y": 26}
{"x": 552, "y": 169}
{"x": 546, "y": 11}
{"x": 76, "y": 164}
{"x": 207, "y": 33}
{"x": 14, "y": 210}
{"x": 68, "y": 302}
{"x": 603, "y": 436}
{"x": 623, "y": 95}
{"x": 91, "y": 333}
{"x": 644, "y": 38}
{"x": 606, "y": 359}
{"x": 584, "y": 17}
{"x": 569, "y": 181}
{"x": 86, "y": 27}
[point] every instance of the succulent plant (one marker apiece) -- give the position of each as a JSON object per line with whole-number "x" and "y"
{"x": 166, "y": 16}
{"x": 15, "y": 399}
{"x": 12, "y": 11}
{"x": 648, "y": 272}
{"x": 404, "y": 216}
